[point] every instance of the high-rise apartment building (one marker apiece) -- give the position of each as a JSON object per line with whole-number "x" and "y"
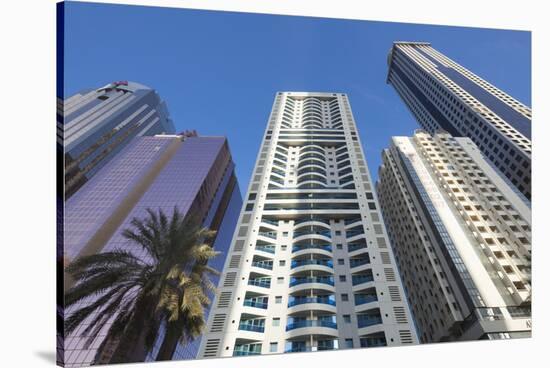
{"x": 93, "y": 125}
{"x": 309, "y": 267}
{"x": 195, "y": 174}
{"x": 442, "y": 94}
{"x": 461, "y": 235}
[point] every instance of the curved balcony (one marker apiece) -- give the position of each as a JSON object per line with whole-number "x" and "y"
{"x": 311, "y": 221}
{"x": 326, "y": 280}
{"x": 307, "y": 300}
{"x": 315, "y": 160}
{"x": 311, "y": 176}
{"x": 312, "y": 233}
{"x": 312, "y": 184}
{"x": 310, "y": 323}
{"x": 311, "y": 327}
{"x": 301, "y": 250}
{"x": 312, "y": 264}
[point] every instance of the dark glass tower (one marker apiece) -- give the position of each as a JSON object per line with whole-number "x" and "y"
{"x": 196, "y": 174}
{"x": 442, "y": 94}
{"x": 93, "y": 125}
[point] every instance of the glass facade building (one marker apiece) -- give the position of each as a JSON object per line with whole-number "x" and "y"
{"x": 94, "y": 125}
{"x": 442, "y": 94}
{"x": 196, "y": 174}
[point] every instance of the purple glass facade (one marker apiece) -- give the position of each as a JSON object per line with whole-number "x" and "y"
{"x": 196, "y": 174}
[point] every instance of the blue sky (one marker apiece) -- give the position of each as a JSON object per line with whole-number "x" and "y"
{"x": 219, "y": 71}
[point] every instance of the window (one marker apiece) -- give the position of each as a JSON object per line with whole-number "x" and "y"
{"x": 344, "y": 297}
{"x": 283, "y": 247}
{"x": 249, "y": 207}
{"x": 347, "y": 318}
{"x": 343, "y": 278}
{"x": 280, "y": 280}
{"x": 276, "y": 321}
{"x": 273, "y": 347}
{"x": 278, "y": 299}
{"x": 341, "y": 261}
{"x": 348, "y": 344}
{"x": 339, "y": 246}
{"x": 282, "y": 263}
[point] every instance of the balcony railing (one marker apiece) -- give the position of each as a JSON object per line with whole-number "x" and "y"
{"x": 242, "y": 350}
{"x": 310, "y": 323}
{"x": 354, "y": 262}
{"x": 269, "y": 234}
{"x": 316, "y": 219}
{"x": 353, "y": 247}
{"x": 255, "y": 304}
{"x": 299, "y": 301}
{"x": 263, "y": 264}
{"x": 368, "y": 342}
{"x": 349, "y": 234}
{"x": 301, "y": 233}
{"x": 251, "y": 327}
{"x": 266, "y": 248}
{"x": 308, "y": 280}
{"x": 360, "y": 279}
{"x": 364, "y": 299}
{"x": 368, "y": 321}
{"x": 306, "y": 262}
{"x": 296, "y": 248}
{"x": 260, "y": 283}
{"x": 271, "y": 222}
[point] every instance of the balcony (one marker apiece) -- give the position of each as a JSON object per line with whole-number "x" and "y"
{"x": 310, "y": 323}
{"x": 270, "y": 222}
{"x": 268, "y": 234}
{"x": 321, "y": 232}
{"x": 354, "y": 247}
{"x": 299, "y": 247}
{"x": 251, "y": 327}
{"x": 268, "y": 265}
{"x": 307, "y": 262}
{"x": 248, "y": 349}
{"x": 320, "y": 300}
{"x": 255, "y": 304}
{"x": 355, "y": 262}
{"x": 266, "y": 248}
{"x": 352, "y": 233}
{"x": 308, "y": 280}
{"x": 369, "y": 342}
{"x": 361, "y": 279}
{"x": 363, "y": 321}
{"x": 365, "y": 298}
{"x": 265, "y": 283}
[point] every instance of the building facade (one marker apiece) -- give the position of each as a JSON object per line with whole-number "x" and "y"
{"x": 442, "y": 94}
{"x": 461, "y": 235}
{"x": 309, "y": 267}
{"x": 94, "y": 125}
{"x": 195, "y": 174}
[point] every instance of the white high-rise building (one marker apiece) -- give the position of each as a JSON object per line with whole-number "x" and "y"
{"x": 461, "y": 234}
{"x": 310, "y": 267}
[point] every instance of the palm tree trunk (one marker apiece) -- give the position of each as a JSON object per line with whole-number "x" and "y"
{"x": 174, "y": 331}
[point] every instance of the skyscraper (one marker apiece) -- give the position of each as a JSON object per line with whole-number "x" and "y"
{"x": 442, "y": 94}
{"x": 309, "y": 266}
{"x": 94, "y": 125}
{"x": 461, "y": 235}
{"x": 196, "y": 174}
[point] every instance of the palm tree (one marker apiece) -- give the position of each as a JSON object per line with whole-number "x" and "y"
{"x": 168, "y": 285}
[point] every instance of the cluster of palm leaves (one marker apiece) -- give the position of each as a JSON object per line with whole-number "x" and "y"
{"x": 135, "y": 295}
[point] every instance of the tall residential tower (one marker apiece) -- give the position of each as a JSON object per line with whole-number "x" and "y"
{"x": 461, "y": 235}
{"x": 93, "y": 125}
{"x": 442, "y": 94}
{"x": 310, "y": 267}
